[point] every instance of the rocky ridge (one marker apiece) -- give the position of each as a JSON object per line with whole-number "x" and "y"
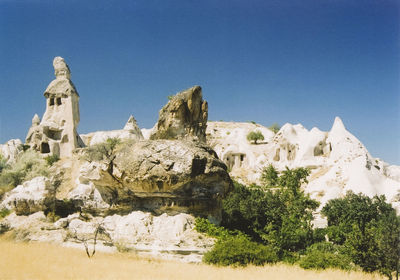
{"x": 338, "y": 160}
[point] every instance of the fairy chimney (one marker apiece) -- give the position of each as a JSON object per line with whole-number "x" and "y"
{"x": 57, "y": 132}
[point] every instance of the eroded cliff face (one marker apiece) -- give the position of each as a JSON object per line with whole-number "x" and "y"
{"x": 161, "y": 176}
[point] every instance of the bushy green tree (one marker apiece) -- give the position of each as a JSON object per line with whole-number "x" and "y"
{"x": 280, "y": 217}
{"x": 275, "y": 128}
{"x": 234, "y": 247}
{"x": 269, "y": 176}
{"x": 369, "y": 230}
{"x": 255, "y": 136}
{"x": 240, "y": 251}
{"x": 105, "y": 151}
{"x": 52, "y": 159}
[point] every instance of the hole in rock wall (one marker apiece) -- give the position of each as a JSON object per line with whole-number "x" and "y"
{"x": 53, "y": 134}
{"x": 44, "y": 148}
{"x": 59, "y": 101}
{"x": 198, "y": 166}
{"x": 51, "y": 101}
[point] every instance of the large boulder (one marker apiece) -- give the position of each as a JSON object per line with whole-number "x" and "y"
{"x": 30, "y": 197}
{"x": 170, "y": 176}
{"x": 184, "y": 116}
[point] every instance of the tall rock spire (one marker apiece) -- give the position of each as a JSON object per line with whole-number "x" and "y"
{"x": 56, "y": 134}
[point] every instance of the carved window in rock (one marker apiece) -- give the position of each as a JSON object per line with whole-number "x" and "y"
{"x": 58, "y": 101}
{"x": 51, "y": 102}
{"x": 44, "y": 148}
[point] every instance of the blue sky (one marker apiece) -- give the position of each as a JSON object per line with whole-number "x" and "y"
{"x": 265, "y": 61}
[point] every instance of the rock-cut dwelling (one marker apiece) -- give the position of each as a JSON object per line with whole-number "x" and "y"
{"x": 56, "y": 133}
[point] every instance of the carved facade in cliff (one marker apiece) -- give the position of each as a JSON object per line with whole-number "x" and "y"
{"x": 56, "y": 134}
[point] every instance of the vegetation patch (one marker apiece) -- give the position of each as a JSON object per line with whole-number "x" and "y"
{"x": 29, "y": 164}
{"x": 272, "y": 222}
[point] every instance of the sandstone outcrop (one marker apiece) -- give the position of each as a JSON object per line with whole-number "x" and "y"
{"x": 161, "y": 176}
{"x": 57, "y": 132}
{"x": 184, "y": 116}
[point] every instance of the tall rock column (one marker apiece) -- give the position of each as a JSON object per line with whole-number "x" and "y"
{"x": 184, "y": 116}
{"x": 57, "y": 132}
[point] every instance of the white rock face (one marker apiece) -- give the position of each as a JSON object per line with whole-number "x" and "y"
{"x": 89, "y": 195}
{"x": 10, "y": 150}
{"x": 339, "y": 161}
{"x": 131, "y": 131}
{"x": 168, "y": 237}
{"x": 29, "y": 197}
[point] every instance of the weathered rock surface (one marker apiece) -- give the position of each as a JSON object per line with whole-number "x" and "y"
{"x": 30, "y": 197}
{"x": 184, "y": 116}
{"x": 57, "y": 132}
{"x": 164, "y": 236}
{"x": 10, "y": 150}
{"x": 158, "y": 175}
{"x": 131, "y": 131}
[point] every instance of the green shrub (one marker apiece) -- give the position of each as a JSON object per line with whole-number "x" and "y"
{"x": 3, "y": 163}
{"x": 239, "y": 250}
{"x": 275, "y": 128}
{"x": 28, "y": 165}
{"x": 204, "y": 226}
{"x": 325, "y": 255}
{"x": 52, "y": 217}
{"x": 4, "y": 212}
{"x": 255, "y": 136}
{"x": 369, "y": 230}
{"x": 106, "y": 151}
{"x": 280, "y": 217}
{"x": 52, "y": 159}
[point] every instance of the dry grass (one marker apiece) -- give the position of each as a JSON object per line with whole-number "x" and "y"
{"x": 44, "y": 261}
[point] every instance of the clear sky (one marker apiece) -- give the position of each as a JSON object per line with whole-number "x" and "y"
{"x": 265, "y": 61}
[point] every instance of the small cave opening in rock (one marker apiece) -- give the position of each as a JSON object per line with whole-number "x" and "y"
{"x": 44, "y": 148}
{"x": 198, "y": 166}
{"x": 63, "y": 208}
{"x": 58, "y": 101}
{"x": 51, "y": 101}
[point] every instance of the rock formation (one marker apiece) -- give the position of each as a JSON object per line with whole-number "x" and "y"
{"x": 185, "y": 116}
{"x": 30, "y": 197}
{"x": 163, "y": 236}
{"x": 57, "y": 132}
{"x": 10, "y": 150}
{"x": 161, "y": 176}
{"x": 131, "y": 131}
{"x": 338, "y": 161}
